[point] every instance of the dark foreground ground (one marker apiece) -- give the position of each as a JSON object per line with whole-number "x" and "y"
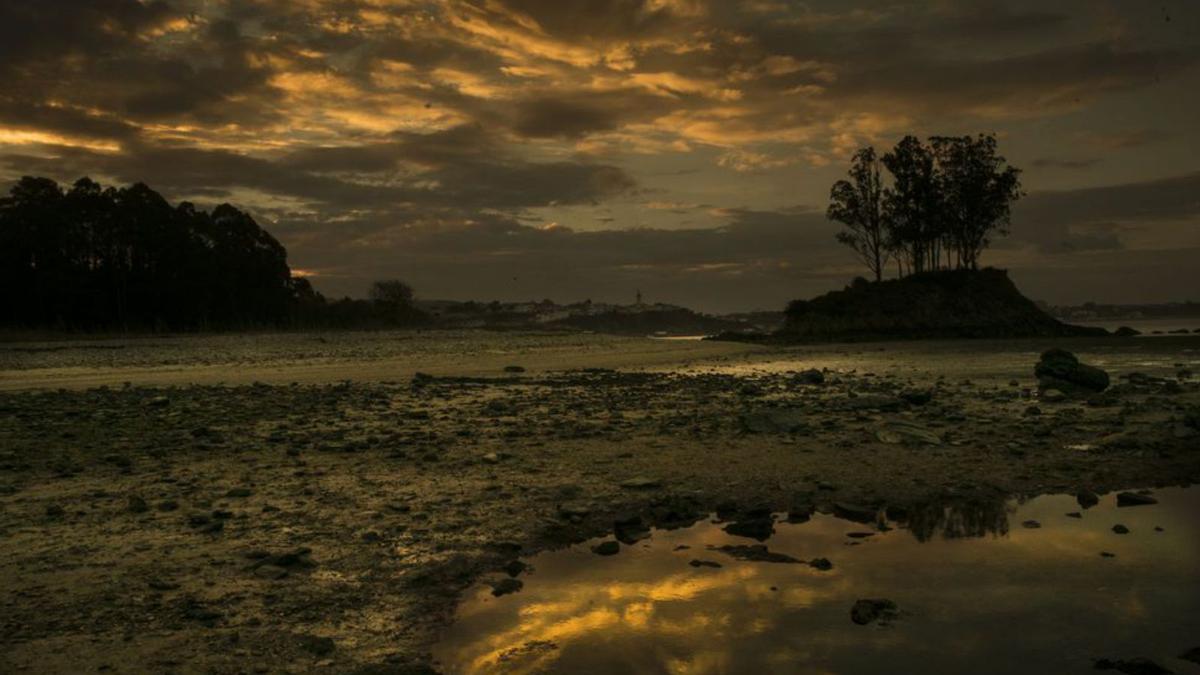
{"x": 332, "y": 525}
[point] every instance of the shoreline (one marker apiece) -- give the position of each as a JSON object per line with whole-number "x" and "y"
{"x": 408, "y": 493}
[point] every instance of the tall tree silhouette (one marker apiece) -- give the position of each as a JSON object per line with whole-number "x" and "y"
{"x": 858, "y": 203}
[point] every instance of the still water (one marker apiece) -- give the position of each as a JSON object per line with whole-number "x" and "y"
{"x": 979, "y": 590}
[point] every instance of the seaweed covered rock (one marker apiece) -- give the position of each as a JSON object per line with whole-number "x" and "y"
{"x": 1060, "y": 369}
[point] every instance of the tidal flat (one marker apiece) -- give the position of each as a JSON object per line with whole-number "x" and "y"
{"x": 322, "y": 502}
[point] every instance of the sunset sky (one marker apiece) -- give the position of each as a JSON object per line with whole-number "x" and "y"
{"x": 571, "y": 149}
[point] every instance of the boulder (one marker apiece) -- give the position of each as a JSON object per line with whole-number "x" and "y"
{"x": 1061, "y": 370}
{"x": 810, "y": 376}
{"x": 752, "y": 528}
{"x": 1134, "y": 499}
{"x": 865, "y": 611}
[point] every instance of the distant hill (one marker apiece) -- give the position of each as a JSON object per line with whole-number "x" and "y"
{"x": 946, "y": 304}
{"x": 668, "y": 321}
{"x": 1091, "y": 311}
{"x": 636, "y": 319}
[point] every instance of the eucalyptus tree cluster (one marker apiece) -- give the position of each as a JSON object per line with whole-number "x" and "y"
{"x": 925, "y": 205}
{"x": 89, "y": 257}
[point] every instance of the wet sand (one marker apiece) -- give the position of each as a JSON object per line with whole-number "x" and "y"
{"x": 180, "y": 525}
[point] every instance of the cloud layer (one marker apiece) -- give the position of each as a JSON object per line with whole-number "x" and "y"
{"x": 586, "y": 148}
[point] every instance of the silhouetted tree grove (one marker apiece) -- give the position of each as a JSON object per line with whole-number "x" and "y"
{"x": 945, "y": 201}
{"x": 92, "y": 257}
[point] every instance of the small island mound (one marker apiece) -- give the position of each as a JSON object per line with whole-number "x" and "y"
{"x": 961, "y": 303}
{"x": 932, "y": 207}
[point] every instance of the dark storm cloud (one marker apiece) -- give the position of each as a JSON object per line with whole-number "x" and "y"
{"x": 1071, "y": 221}
{"x": 767, "y": 255}
{"x": 992, "y": 21}
{"x": 550, "y": 116}
{"x": 1069, "y": 164}
{"x": 35, "y": 31}
{"x": 173, "y": 87}
{"x": 587, "y": 19}
{"x": 1019, "y": 85}
{"x": 62, "y": 120}
{"x": 1172, "y": 198}
{"x": 469, "y": 170}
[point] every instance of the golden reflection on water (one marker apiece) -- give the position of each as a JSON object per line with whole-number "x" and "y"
{"x": 981, "y": 598}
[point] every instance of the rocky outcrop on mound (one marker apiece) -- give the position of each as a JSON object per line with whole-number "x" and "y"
{"x": 946, "y": 304}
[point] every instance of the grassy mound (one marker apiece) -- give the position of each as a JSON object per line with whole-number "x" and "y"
{"x": 948, "y": 304}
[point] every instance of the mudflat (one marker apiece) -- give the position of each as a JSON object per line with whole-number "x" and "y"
{"x": 298, "y": 502}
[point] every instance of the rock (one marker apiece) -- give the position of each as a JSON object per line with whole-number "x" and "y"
{"x": 1053, "y": 396}
{"x": 866, "y": 611}
{"x": 774, "y": 421}
{"x": 1061, "y": 370}
{"x": 1134, "y": 499}
{"x": 810, "y": 376}
{"x": 1074, "y": 514}
{"x": 630, "y": 529}
{"x": 704, "y": 563}
{"x": 874, "y": 402}
{"x": 1126, "y": 331}
{"x": 756, "y": 553}
{"x": 897, "y": 432}
{"x": 506, "y": 586}
{"x": 1120, "y": 529}
{"x": 822, "y": 564}
{"x": 917, "y": 396}
{"x": 292, "y": 560}
{"x": 855, "y": 512}
{"x": 158, "y": 402}
{"x": 514, "y": 568}
{"x": 270, "y": 572}
{"x": 607, "y": 548}
{"x": 1031, "y": 524}
{"x": 1087, "y": 499}
{"x": 800, "y": 512}
{"x": 317, "y": 646}
{"x": 492, "y": 458}
{"x": 574, "y": 510}
{"x": 514, "y": 369}
{"x": 239, "y": 492}
{"x": 194, "y": 610}
{"x": 1136, "y": 666}
{"x": 641, "y": 483}
{"x": 753, "y": 528}
{"x": 136, "y": 504}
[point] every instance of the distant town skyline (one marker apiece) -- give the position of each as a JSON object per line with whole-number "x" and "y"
{"x": 571, "y": 149}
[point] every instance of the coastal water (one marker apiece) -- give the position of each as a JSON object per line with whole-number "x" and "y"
{"x": 1043, "y": 585}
